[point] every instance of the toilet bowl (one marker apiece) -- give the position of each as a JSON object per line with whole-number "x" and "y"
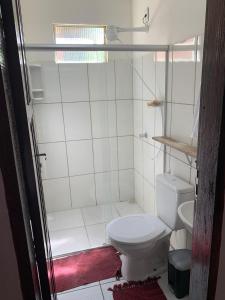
{"x": 143, "y": 241}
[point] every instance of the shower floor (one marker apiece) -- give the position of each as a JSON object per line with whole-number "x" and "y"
{"x": 84, "y": 228}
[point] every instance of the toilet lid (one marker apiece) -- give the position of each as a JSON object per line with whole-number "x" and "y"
{"x": 135, "y": 229}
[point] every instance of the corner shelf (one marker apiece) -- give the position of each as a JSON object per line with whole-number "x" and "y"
{"x": 182, "y": 147}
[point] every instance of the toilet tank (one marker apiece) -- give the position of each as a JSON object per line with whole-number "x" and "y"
{"x": 171, "y": 191}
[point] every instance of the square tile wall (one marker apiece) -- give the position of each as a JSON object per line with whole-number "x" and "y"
{"x": 183, "y": 92}
{"x": 85, "y": 126}
{"x": 149, "y": 121}
{"x": 183, "y": 89}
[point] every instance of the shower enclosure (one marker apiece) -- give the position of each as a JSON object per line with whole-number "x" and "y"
{"x": 94, "y": 126}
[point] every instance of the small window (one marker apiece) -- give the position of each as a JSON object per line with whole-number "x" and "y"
{"x": 80, "y": 34}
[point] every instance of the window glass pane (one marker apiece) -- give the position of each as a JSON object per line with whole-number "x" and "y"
{"x": 80, "y": 34}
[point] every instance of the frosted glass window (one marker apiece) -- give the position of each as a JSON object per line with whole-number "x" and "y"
{"x": 80, "y": 34}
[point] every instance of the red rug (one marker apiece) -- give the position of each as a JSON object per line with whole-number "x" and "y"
{"x": 146, "y": 290}
{"x": 86, "y": 267}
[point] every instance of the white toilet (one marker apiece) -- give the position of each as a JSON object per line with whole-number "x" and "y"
{"x": 143, "y": 240}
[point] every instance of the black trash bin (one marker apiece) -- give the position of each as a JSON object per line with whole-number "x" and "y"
{"x": 179, "y": 265}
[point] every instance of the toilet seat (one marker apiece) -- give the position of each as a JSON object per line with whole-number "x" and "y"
{"x": 136, "y": 229}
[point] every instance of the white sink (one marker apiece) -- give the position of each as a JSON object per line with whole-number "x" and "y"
{"x": 186, "y": 214}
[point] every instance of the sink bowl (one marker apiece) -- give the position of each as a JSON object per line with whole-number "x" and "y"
{"x": 186, "y": 214}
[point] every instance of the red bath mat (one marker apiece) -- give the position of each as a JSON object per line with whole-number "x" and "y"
{"x": 86, "y": 267}
{"x": 146, "y": 290}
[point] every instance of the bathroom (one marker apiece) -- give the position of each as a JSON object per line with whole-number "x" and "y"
{"x": 96, "y": 114}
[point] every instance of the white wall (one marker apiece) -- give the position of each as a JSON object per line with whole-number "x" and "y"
{"x": 85, "y": 126}
{"x": 38, "y": 16}
{"x": 148, "y": 159}
{"x": 172, "y": 20}
{"x": 184, "y": 80}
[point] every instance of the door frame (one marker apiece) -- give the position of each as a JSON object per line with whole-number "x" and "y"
{"x": 19, "y": 94}
{"x": 211, "y": 158}
{"x": 206, "y": 238}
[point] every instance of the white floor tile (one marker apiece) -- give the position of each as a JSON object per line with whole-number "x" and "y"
{"x": 107, "y": 280}
{"x": 96, "y": 235}
{"x": 68, "y": 241}
{"x": 65, "y": 220}
{"x": 126, "y": 208}
{"x": 99, "y": 214}
{"x": 81, "y": 287}
{"x": 108, "y": 294}
{"x": 92, "y": 293}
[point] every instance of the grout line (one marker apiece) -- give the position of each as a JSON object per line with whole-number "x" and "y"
{"x": 92, "y": 143}
{"x": 171, "y": 108}
{"x": 86, "y": 174}
{"x": 85, "y": 227}
{"x": 80, "y": 101}
{"x": 64, "y": 127}
{"x": 117, "y": 132}
{"x": 81, "y": 140}
{"x": 102, "y": 291}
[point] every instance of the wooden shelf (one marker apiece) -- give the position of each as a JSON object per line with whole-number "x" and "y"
{"x": 182, "y": 147}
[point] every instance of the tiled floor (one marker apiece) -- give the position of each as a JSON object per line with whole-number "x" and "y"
{"x": 79, "y": 229}
{"x": 99, "y": 291}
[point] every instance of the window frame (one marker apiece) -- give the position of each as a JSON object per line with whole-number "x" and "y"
{"x": 106, "y": 56}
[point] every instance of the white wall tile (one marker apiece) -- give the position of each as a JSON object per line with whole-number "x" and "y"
{"x": 107, "y": 188}
{"x": 126, "y": 152}
{"x": 137, "y": 75}
{"x": 102, "y": 81}
{"x": 180, "y": 169}
{"x": 124, "y": 76}
{"x": 149, "y": 163}
{"x": 139, "y": 189}
{"x": 125, "y": 117}
{"x": 138, "y": 117}
{"x": 49, "y": 122}
{"x": 183, "y": 82}
{"x": 57, "y": 194}
{"x": 182, "y": 122}
{"x": 105, "y": 154}
{"x": 159, "y": 122}
{"x": 149, "y": 76}
{"x": 126, "y": 184}
{"x": 80, "y": 157}
{"x": 51, "y": 84}
{"x": 148, "y": 120}
{"x": 74, "y": 82}
{"x": 77, "y": 120}
{"x": 161, "y": 78}
{"x": 138, "y": 155}
{"x": 159, "y": 161}
{"x": 55, "y": 165}
{"x": 82, "y": 191}
{"x": 103, "y": 118}
{"x": 149, "y": 198}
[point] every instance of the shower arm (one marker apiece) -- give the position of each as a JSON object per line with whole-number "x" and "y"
{"x": 134, "y": 29}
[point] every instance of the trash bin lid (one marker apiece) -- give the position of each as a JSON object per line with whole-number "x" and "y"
{"x": 180, "y": 259}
